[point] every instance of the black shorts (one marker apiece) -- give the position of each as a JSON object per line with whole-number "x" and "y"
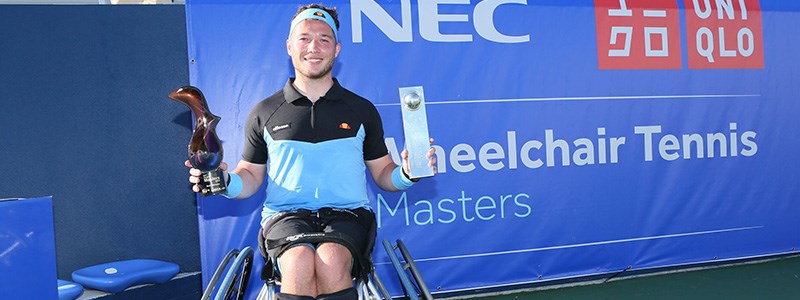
{"x": 356, "y": 226}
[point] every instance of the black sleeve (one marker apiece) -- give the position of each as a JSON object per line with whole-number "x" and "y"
{"x": 255, "y": 148}
{"x": 374, "y": 145}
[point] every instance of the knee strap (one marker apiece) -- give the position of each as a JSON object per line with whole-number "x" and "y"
{"x": 262, "y": 244}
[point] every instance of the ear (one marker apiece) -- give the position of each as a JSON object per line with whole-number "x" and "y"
{"x": 338, "y": 48}
{"x": 288, "y": 47}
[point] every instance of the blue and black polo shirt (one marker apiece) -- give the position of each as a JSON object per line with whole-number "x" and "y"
{"x": 314, "y": 152}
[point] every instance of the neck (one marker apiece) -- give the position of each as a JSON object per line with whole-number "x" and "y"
{"x": 313, "y": 89}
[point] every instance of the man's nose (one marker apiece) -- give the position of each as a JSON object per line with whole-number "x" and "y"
{"x": 313, "y": 46}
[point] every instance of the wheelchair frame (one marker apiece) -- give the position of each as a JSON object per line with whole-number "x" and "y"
{"x": 370, "y": 287}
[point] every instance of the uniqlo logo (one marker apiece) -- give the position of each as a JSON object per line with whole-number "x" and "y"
{"x": 638, "y": 34}
{"x": 724, "y": 34}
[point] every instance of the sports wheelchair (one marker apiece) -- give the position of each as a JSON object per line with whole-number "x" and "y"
{"x": 367, "y": 282}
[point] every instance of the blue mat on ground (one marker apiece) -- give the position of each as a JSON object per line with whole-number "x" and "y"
{"x": 68, "y": 290}
{"x": 115, "y": 277}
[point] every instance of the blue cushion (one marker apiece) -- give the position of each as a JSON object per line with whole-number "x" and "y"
{"x": 68, "y": 290}
{"x": 115, "y": 277}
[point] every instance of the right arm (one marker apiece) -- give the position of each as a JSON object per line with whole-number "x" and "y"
{"x": 252, "y": 167}
{"x": 252, "y": 177}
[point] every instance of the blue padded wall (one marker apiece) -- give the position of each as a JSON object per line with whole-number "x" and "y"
{"x": 28, "y": 255}
{"x": 86, "y": 119}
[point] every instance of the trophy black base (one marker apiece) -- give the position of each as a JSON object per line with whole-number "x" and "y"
{"x": 212, "y": 183}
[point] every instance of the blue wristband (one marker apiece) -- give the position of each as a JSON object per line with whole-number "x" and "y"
{"x": 400, "y": 181}
{"x": 234, "y": 186}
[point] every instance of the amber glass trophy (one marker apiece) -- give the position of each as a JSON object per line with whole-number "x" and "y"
{"x": 205, "y": 149}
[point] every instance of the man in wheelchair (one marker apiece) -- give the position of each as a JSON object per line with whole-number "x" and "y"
{"x": 312, "y": 141}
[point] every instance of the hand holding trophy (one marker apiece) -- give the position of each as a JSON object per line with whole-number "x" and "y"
{"x": 205, "y": 149}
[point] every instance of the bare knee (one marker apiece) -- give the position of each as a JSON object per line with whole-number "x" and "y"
{"x": 332, "y": 268}
{"x": 298, "y": 272}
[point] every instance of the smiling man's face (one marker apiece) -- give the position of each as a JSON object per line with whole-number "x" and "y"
{"x": 313, "y": 49}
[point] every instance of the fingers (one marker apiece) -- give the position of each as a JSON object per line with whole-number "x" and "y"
{"x": 404, "y": 160}
{"x": 432, "y": 160}
{"x": 431, "y": 155}
{"x": 194, "y": 179}
{"x": 194, "y": 176}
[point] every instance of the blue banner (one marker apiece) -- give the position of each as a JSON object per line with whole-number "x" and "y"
{"x": 573, "y": 138}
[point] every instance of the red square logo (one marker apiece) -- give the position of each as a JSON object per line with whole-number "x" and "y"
{"x": 724, "y": 34}
{"x": 637, "y": 34}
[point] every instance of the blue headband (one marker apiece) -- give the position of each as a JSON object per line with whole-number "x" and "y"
{"x": 316, "y": 14}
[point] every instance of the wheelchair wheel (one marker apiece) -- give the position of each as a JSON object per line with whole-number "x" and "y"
{"x": 422, "y": 287}
{"x": 413, "y": 290}
{"x": 380, "y": 291}
{"x": 234, "y": 284}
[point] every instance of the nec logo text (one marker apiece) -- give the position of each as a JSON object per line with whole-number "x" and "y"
{"x": 430, "y": 20}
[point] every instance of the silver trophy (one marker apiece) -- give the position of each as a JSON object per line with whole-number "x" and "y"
{"x": 415, "y": 128}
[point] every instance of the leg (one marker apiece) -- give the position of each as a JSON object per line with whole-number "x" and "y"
{"x": 297, "y": 266}
{"x": 327, "y": 272}
{"x": 296, "y": 263}
{"x": 333, "y": 271}
{"x": 333, "y": 263}
{"x": 324, "y": 273}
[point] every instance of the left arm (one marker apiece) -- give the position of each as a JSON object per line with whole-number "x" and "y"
{"x": 381, "y": 169}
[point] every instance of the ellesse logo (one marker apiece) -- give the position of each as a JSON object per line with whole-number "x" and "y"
{"x": 281, "y": 127}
